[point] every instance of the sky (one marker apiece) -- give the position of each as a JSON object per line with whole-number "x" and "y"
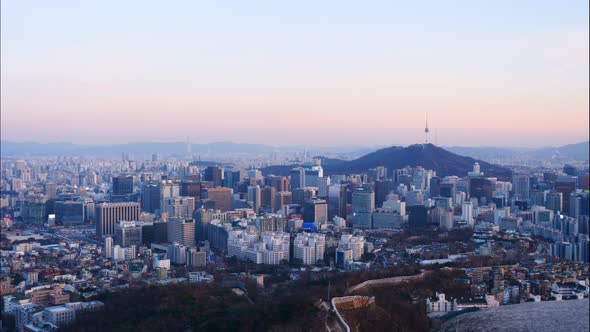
{"x": 485, "y": 73}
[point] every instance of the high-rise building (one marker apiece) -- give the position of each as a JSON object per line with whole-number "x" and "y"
{"x": 123, "y": 185}
{"x": 221, "y": 196}
{"x": 382, "y": 189}
{"x": 354, "y": 243}
{"x": 107, "y": 215}
{"x": 168, "y": 189}
{"x": 521, "y": 187}
{"x": 579, "y": 204}
{"x": 363, "y": 205}
{"x": 302, "y": 195}
{"x": 128, "y": 233}
{"x": 108, "y": 247}
{"x": 467, "y": 213}
{"x": 312, "y": 175}
{"x": 565, "y": 185}
{"x": 254, "y": 197}
{"x": 268, "y": 197}
{"x": 337, "y": 201}
{"x": 182, "y": 231}
{"x": 554, "y": 201}
{"x": 150, "y": 197}
{"x": 191, "y": 188}
{"x": 214, "y": 175}
{"x": 323, "y": 185}
{"x": 196, "y": 257}
{"x": 179, "y": 207}
{"x": 481, "y": 188}
{"x": 316, "y": 211}
{"x": 418, "y": 216}
{"x": 309, "y": 248}
{"x": 297, "y": 178}
{"x": 283, "y": 198}
{"x": 69, "y": 213}
{"x": 280, "y": 183}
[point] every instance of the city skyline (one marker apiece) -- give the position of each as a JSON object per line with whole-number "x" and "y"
{"x": 288, "y": 74}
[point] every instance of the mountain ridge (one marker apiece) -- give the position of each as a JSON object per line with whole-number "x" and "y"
{"x": 428, "y": 156}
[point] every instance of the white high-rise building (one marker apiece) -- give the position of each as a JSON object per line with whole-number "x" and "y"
{"x": 273, "y": 248}
{"x": 108, "y": 247}
{"x": 354, "y": 243}
{"x": 120, "y": 253}
{"x": 309, "y": 248}
{"x": 467, "y": 213}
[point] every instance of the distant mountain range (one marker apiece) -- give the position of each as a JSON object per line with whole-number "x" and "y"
{"x": 427, "y": 155}
{"x": 9, "y": 148}
{"x": 577, "y": 151}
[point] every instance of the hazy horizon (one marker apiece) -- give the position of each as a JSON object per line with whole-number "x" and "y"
{"x": 312, "y": 145}
{"x": 333, "y": 73}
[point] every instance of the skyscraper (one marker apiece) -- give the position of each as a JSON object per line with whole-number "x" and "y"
{"x": 554, "y": 201}
{"x": 521, "y": 187}
{"x": 107, "y": 215}
{"x": 128, "y": 233}
{"x": 337, "y": 201}
{"x": 123, "y": 185}
{"x": 316, "y": 211}
{"x": 467, "y": 213}
{"x": 221, "y": 196}
{"x": 297, "y": 178}
{"x": 363, "y": 205}
{"x": 168, "y": 189}
{"x": 214, "y": 175}
{"x": 150, "y": 197}
{"x": 182, "y": 231}
{"x": 565, "y": 185}
{"x": 254, "y": 196}
{"x": 108, "y": 247}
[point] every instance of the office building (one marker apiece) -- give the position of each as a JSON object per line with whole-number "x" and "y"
{"x": 363, "y": 205}
{"x": 337, "y": 201}
{"x": 182, "y": 231}
{"x": 280, "y": 183}
{"x": 315, "y": 211}
{"x": 554, "y": 201}
{"x": 107, "y": 215}
{"x": 179, "y": 207}
{"x": 222, "y": 198}
{"x": 122, "y": 185}
{"x": 213, "y": 174}
{"x": 283, "y": 199}
{"x": 150, "y": 197}
{"x": 128, "y": 233}
{"x": 521, "y": 187}
{"x": 254, "y": 197}
{"x": 69, "y": 213}
{"x": 297, "y": 178}
{"x": 566, "y": 185}
{"x": 417, "y": 216}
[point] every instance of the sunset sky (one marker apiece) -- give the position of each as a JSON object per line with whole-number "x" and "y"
{"x": 493, "y": 73}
